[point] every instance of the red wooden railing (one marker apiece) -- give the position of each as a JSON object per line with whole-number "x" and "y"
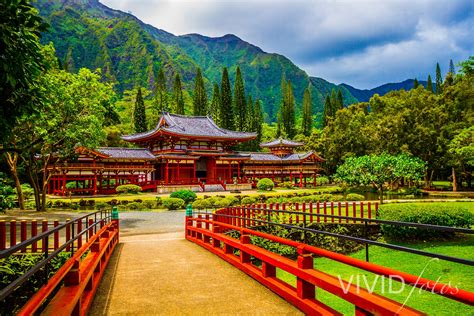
{"x": 90, "y": 239}
{"x": 208, "y": 231}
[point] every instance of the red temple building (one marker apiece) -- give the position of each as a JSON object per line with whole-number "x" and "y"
{"x": 183, "y": 152}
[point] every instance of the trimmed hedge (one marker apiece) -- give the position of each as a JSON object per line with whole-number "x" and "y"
{"x": 265, "y": 184}
{"x": 355, "y": 197}
{"x": 187, "y": 196}
{"x": 430, "y": 213}
{"x": 322, "y": 180}
{"x": 173, "y": 203}
{"x": 128, "y": 189}
{"x": 202, "y": 204}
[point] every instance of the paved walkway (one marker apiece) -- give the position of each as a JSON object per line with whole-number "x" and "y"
{"x": 165, "y": 274}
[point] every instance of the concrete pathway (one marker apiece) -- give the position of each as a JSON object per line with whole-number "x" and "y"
{"x": 164, "y": 274}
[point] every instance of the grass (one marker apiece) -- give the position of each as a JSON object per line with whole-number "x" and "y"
{"x": 457, "y": 275}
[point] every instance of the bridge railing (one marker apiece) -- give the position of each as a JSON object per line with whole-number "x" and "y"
{"x": 89, "y": 240}
{"x": 211, "y": 232}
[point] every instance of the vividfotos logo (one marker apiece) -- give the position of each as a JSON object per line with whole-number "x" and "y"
{"x": 396, "y": 284}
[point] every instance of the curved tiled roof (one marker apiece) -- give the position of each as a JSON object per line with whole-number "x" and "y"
{"x": 296, "y": 157}
{"x": 126, "y": 153}
{"x": 281, "y": 142}
{"x": 184, "y": 125}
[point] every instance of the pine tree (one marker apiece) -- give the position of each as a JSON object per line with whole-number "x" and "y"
{"x": 139, "y": 116}
{"x": 327, "y": 110}
{"x": 249, "y": 119}
{"x": 226, "y": 112}
{"x": 439, "y": 80}
{"x": 199, "y": 96}
{"x": 307, "y": 121}
{"x": 340, "y": 101}
{"x": 178, "y": 95}
{"x": 288, "y": 112}
{"x": 215, "y": 105}
{"x": 69, "y": 64}
{"x": 161, "y": 93}
{"x": 452, "y": 70}
{"x": 429, "y": 84}
{"x": 239, "y": 102}
{"x": 415, "y": 83}
{"x": 257, "y": 121}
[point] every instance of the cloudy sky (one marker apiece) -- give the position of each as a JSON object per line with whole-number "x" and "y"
{"x": 361, "y": 42}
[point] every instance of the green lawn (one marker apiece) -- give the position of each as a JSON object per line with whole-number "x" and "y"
{"x": 458, "y": 275}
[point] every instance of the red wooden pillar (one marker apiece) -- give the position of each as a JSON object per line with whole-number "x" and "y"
{"x": 166, "y": 172}
{"x": 194, "y": 171}
{"x": 230, "y": 170}
{"x": 301, "y": 179}
{"x": 238, "y": 170}
{"x": 304, "y": 289}
{"x": 177, "y": 173}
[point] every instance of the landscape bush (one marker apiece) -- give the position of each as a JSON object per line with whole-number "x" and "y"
{"x": 248, "y": 200}
{"x": 173, "y": 203}
{"x": 202, "y": 204}
{"x": 187, "y": 196}
{"x": 149, "y": 204}
{"x": 355, "y": 197}
{"x": 102, "y": 206}
{"x": 322, "y": 180}
{"x": 135, "y": 206}
{"x": 430, "y": 213}
{"x": 27, "y": 191}
{"x": 265, "y": 184}
{"x": 128, "y": 189}
{"x": 287, "y": 185}
{"x": 159, "y": 201}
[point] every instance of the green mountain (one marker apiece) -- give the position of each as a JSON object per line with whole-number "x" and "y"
{"x": 89, "y": 34}
{"x": 365, "y": 95}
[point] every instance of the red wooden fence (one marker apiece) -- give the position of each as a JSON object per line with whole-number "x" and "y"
{"x": 207, "y": 231}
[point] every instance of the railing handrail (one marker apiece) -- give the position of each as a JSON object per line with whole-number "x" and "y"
{"x": 381, "y": 221}
{"x": 5, "y": 253}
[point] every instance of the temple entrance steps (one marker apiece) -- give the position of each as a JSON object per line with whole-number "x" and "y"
{"x": 213, "y": 188}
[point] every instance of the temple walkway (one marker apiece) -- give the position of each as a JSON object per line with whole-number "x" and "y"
{"x": 164, "y": 274}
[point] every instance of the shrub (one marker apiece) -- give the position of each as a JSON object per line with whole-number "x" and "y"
{"x": 149, "y": 204}
{"x": 187, "y": 196}
{"x": 138, "y": 200}
{"x": 429, "y": 213}
{"x": 159, "y": 201}
{"x": 173, "y": 203}
{"x": 27, "y": 191}
{"x": 355, "y": 197}
{"x": 265, "y": 184}
{"x": 135, "y": 206}
{"x": 232, "y": 199}
{"x": 101, "y": 206}
{"x": 113, "y": 202}
{"x": 225, "y": 202}
{"x": 248, "y": 200}
{"x": 287, "y": 185}
{"x": 128, "y": 189}
{"x": 202, "y": 204}
{"x": 82, "y": 202}
{"x": 322, "y": 180}
{"x": 336, "y": 198}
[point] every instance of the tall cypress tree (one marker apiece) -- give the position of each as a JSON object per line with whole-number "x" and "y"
{"x": 439, "y": 80}
{"x": 249, "y": 119}
{"x": 239, "y": 102}
{"x": 327, "y": 110}
{"x": 429, "y": 84}
{"x": 226, "y": 112}
{"x": 288, "y": 112}
{"x": 215, "y": 105}
{"x": 307, "y": 121}
{"x": 340, "y": 101}
{"x": 258, "y": 121}
{"x": 334, "y": 105}
{"x": 161, "y": 93}
{"x": 178, "y": 99}
{"x": 199, "y": 96}
{"x": 139, "y": 116}
{"x": 451, "y": 67}
{"x": 415, "y": 83}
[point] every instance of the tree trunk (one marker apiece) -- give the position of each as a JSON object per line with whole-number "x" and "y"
{"x": 455, "y": 182}
{"x": 12, "y": 163}
{"x": 381, "y": 194}
{"x": 427, "y": 179}
{"x": 31, "y": 167}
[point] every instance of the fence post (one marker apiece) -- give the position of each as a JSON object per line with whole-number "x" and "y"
{"x": 56, "y": 236}
{"x": 354, "y": 214}
{"x": 68, "y": 234}
{"x": 339, "y": 205}
{"x": 361, "y": 211}
{"x": 311, "y": 211}
{"x": 305, "y": 290}
{"x": 3, "y": 235}
{"x": 297, "y": 208}
{"x": 44, "y": 228}
{"x": 244, "y": 257}
{"x": 369, "y": 210}
{"x": 79, "y": 230}
{"x": 12, "y": 233}
{"x": 376, "y": 209}
{"x": 347, "y": 212}
{"x": 325, "y": 205}
{"x": 318, "y": 211}
{"x": 332, "y": 212}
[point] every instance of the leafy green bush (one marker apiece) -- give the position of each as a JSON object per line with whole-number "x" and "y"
{"x": 187, "y": 196}
{"x": 248, "y": 200}
{"x": 128, "y": 189}
{"x": 173, "y": 203}
{"x": 149, "y": 204}
{"x": 159, "y": 201}
{"x": 223, "y": 202}
{"x": 336, "y": 198}
{"x": 27, "y": 191}
{"x": 322, "y": 180}
{"x": 430, "y": 213}
{"x": 135, "y": 206}
{"x": 355, "y": 197}
{"x": 265, "y": 184}
{"x": 287, "y": 185}
{"x": 101, "y": 206}
{"x": 202, "y": 204}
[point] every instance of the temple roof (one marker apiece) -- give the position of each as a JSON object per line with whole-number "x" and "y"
{"x": 125, "y": 153}
{"x": 269, "y": 157}
{"x": 281, "y": 142}
{"x": 196, "y": 126}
